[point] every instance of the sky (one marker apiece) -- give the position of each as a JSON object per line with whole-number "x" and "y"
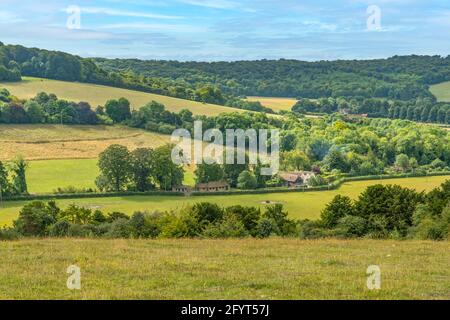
{"x": 227, "y": 30}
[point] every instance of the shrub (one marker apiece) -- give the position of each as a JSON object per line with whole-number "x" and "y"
{"x": 230, "y": 227}
{"x": 120, "y": 228}
{"x": 206, "y": 211}
{"x": 311, "y": 230}
{"x": 35, "y": 218}
{"x": 351, "y": 226}
{"x": 8, "y": 234}
{"x": 81, "y": 231}
{"x": 249, "y": 216}
{"x": 113, "y": 216}
{"x": 284, "y": 226}
{"x": 60, "y": 229}
{"x": 266, "y": 227}
{"x": 182, "y": 225}
{"x": 338, "y": 208}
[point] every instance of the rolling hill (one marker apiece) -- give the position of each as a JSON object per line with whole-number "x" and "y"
{"x": 99, "y": 94}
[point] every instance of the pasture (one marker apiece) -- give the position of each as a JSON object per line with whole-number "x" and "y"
{"x": 301, "y": 205}
{"x": 224, "y": 269}
{"x": 46, "y": 141}
{"x": 441, "y": 91}
{"x": 276, "y": 104}
{"x": 98, "y": 95}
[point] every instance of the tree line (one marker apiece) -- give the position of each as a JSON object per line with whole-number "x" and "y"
{"x": 380, "y": 212}
{"x": 420, "y": 110}
{"x": 398, "y": 77}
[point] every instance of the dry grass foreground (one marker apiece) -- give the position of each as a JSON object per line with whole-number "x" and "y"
{"x": 37, "y": 142}
{"x": 224, "y": 269}
{"x": 98, "y": 95}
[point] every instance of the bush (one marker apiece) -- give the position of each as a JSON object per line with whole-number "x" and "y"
{"x": 266, "y": 227}
{"x": 81, "y": 231}
{"x": 230, "y": 227}
{"x": 120, "y": 228}
{"x": 35, "y": 218}
{"x": 60, "y": 229}
{"x": 351, "y": 226}
{"x": 311, "y": 230}
{"x": 284, "y": 226}
{"x": 113, "y": 216}
{"x": 338, "y": 208}
{"x": 8, "y": 234}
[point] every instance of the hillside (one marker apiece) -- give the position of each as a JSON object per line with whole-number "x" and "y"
{"x": 37, "y": 142}
{"x": 99, "y": 94}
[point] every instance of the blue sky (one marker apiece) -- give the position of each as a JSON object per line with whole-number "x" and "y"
{"x": 211, "y": 30}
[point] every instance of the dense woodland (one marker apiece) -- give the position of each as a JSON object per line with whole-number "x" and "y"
{"x": 396, "y": 87}
{"x": 399, "y": 77}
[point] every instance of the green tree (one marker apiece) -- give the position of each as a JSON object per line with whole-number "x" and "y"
{"x": 19, "y": 167}
{"x": 165, "y": 172}
{"x": 141, "y": 168}
{"x": 118, "y": 110}
{"x": 115, "y": 165}
{"x": 208, "y": 172}
{"x": 247, "y": 180}
{"x": 338, "y": 208}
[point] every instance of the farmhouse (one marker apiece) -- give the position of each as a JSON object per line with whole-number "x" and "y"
{"x": 183, "y": 189}
{"x": 296, "y": 179}
{"x": 214, "y": 186}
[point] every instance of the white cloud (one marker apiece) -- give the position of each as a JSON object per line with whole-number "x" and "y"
{"x": 215, "y": 4}
{"x": 154, "y": 26}
{"x": 122, "y": 13}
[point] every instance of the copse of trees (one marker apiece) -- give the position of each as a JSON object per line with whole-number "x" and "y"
{"x": 140, "y": 170}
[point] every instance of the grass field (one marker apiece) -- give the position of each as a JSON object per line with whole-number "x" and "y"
{"x": 36, "y": 142}
{"x": 224, "y": 269}
{"x": 276, "y": 104}
{"x": 441, "y": 91}
{"x": 98, "y": 95}
{"x": 299, "y": 204}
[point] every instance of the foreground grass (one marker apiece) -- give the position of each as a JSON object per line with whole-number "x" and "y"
{"x": 274, "y": 103}
{"x": 304, "y": 205}
{"x": 441, "y": 91}
{"x": 98, "y": 95}
{"x": 224, "y": 269}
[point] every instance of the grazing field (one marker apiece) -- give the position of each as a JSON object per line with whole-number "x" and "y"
{"x": 305, "y": 205}
{"x": 224, "y": 269}
{"x": 98, "y": 95}
{"x": 441, "y": 91}
{"x": 276, "y": 104}
{"x": 44, "y": 176}
{"x": 48, "y": 141}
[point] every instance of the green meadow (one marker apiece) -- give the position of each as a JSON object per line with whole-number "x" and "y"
{"x": 224, "y": 269}
{"x": 305, "y": 205}
{"x": 441, "y": 91}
